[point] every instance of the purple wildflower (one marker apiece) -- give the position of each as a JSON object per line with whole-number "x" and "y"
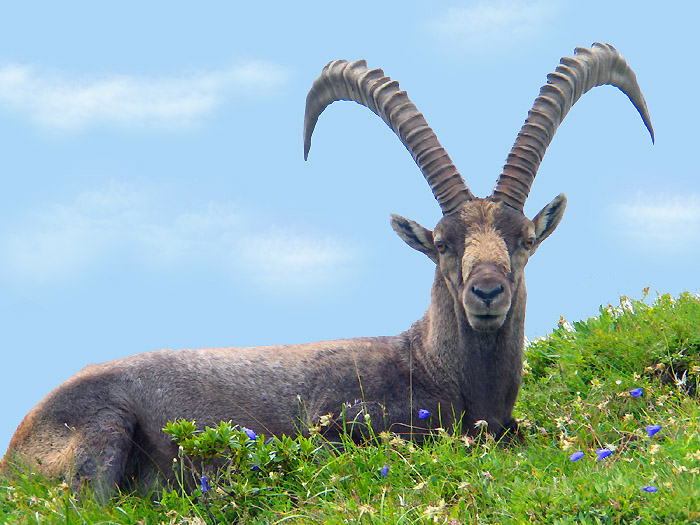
{"x": 255, "y": 468}
{"x": 637, "y": 392}
{"x": 576, "y": 456}
{"x": 649, "y": 488}
{"x": 653, "y": 429}
{"x": 205, "y": 484}
{"x": 603, "y": 453}
{"x": 423, "y": 413}
{"x": 385, "y": 471}
{"x": 251, "y": 434}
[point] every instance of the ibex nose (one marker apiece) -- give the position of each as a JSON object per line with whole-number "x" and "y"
{"x": 487, "y": 294}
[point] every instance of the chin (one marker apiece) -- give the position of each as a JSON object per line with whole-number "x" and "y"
{"x": 486, "y": 323}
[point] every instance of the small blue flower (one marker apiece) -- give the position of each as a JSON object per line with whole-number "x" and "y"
{"x": 205, "y": 484}
{"x": 650, "y": 488}
{"x": 637, "y": 392}
{"x": 603, "y": 453}
{"x": 423, "y": 413}
{"x": 653, "y": 429}
{"x": 251, "y": 434}
{"x": 576, "y": 456}
{"x": 385, "y": 471}
{"x": 255, "y": 468}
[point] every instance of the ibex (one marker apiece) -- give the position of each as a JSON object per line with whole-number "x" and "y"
{"x": 462, "y": 360}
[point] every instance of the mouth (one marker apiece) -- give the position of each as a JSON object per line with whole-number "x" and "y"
{"x": 486, "y": 322}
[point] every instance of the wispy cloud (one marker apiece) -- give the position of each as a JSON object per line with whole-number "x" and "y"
{"x": 125, "y": 223}
{"x": 492, "y": 25}
{"x": 661, "y": 222}
{"x": 62, "y": 103}
{"x": 66, "y": 238}
{"x": 281, "y": 257}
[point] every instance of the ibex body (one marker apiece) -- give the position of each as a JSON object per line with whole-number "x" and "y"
{"x": 462, "y": 360}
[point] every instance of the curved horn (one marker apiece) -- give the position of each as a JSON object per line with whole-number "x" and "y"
{"x": 341, "y": 80}
{"x": 601, "y": 64}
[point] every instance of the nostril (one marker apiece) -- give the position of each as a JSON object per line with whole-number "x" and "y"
{"x": 487, "y": 294}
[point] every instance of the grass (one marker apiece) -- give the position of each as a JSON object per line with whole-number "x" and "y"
{"x": 578, "y": 395}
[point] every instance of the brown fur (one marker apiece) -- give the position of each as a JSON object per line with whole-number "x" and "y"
{"x": 103, "y": 425}
{"x": 484, "y": 246}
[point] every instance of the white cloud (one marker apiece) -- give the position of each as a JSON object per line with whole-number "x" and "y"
{"x": 124, "y": 223}
{"x": 661, "y": 222}
{"x": 64, "y": 239}
{"x": 492, "y": 25}
{"x": 61, "y": 103}
{"x": 281, "y": 257}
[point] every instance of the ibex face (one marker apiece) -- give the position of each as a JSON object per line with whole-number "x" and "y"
{"x": 486, "y": 273}
{"x": 481, "y": 251}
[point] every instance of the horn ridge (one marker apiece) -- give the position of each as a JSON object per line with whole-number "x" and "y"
{"x": 599, "y": 65}
{"x": 343, "y": 80}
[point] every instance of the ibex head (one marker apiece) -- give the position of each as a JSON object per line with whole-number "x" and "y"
{"x": 480, "y": 246}
{"x": 481, "y": 251}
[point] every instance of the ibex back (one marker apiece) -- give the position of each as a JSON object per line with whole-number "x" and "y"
{"x": 462, "y": 360}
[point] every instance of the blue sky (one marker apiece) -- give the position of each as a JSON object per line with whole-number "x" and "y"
{"x": 155, "y": 193}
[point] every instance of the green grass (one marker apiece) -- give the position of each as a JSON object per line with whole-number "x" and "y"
{"x": 575, "y": 397}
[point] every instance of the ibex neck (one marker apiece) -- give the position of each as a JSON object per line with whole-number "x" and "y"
{"x": 467, "y": 362}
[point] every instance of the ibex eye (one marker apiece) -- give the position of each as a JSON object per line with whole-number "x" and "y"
{"x": 441, "y": 246}
{"x": 529, "y": 243}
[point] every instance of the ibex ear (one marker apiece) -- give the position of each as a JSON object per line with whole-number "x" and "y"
{"x": 415, "y": 236}
{"x": 549, "y": 218}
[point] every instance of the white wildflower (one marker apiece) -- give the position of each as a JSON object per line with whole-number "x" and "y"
{"x": 626, "y": 304}
{"x": 681, "y": 381}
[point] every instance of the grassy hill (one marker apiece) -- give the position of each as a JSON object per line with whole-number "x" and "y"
{"x": 610, "y": 421}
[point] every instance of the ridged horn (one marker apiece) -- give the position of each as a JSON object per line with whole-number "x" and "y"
{"x": 600, "y": 65}
{"x": 341, "y": 80}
